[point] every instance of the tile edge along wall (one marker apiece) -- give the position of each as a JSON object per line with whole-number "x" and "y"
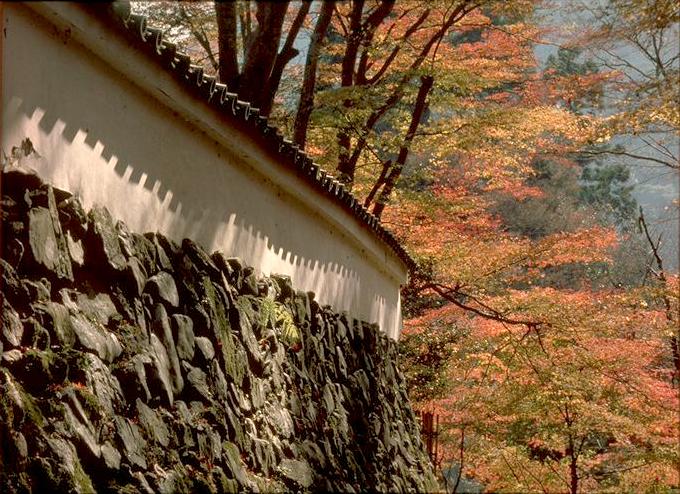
{"x": 110, "y": 147}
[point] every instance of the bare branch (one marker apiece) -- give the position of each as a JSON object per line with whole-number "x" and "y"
{"x": 456, "y": 297}
{"x": 668, "y": 164}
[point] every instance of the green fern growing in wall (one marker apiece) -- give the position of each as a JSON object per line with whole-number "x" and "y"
{"x": 278, "y": 317}
{"x": 289, "y": 333}
{"x": 267, "y": 313}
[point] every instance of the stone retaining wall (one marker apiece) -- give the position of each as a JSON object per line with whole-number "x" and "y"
{"x": 133, "y": 364}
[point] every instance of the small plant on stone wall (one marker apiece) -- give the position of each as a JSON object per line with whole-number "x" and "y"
{"x": 278, "y": 317}
{"x": 289, "y": 332}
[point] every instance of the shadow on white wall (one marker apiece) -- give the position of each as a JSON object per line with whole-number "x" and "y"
{"x": 105, "y": 140}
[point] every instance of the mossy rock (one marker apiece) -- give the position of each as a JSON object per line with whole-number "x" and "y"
{"x": 17, "y": 405}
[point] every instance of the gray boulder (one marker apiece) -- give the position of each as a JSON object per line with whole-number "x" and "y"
{"x": 47, "y": 244}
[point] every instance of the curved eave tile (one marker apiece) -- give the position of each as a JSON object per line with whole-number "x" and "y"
{"x": 150, "y": 41}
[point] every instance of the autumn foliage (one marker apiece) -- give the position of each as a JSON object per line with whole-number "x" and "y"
{"x": 551, "y": 369}
{"x": 541, "y": 327}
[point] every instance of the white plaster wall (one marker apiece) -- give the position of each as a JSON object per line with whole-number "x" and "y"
{"x": 133, "y": 141}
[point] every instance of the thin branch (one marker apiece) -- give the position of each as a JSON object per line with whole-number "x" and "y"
{"x": 395, "y": 51}
{"x": 654, "y": 245}
{"x": 632, "y": 155}
{"x": 347, "y": 168}
{"x": 338, "y": 16}
{"x": 455, "y": 295}
{"x": 200, "y": 36}
{"x": 660, "y": 147}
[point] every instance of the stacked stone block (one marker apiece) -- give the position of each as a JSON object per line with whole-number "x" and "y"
{"x": 132, "y": 364}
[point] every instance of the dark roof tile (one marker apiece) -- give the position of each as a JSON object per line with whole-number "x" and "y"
{"x": 150, "y": 40}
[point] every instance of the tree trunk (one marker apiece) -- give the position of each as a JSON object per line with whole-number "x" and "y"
{"x": 571, "y": 452}
{"x": 262, "y": 51}
{"x": 386, "y": 167}
{"x": 361, "y": 34}
{"x": 228, "y": 72}
{"x": 349, "y": 60}
{"x": 672, "y": 316}
{"x": 368, "y": 28}
{"x": 461, "y": 460}
{"x": 243, "y": 7}
{"x": 573, "y": 475}
{"x": 347, "y": 164}
{"x": 306, "y": 103}
{"x": 364, "y": 64}
{"x": 426, "y": 83}
{"x": 352, "y": 45}
{"x": 287, "y": 53}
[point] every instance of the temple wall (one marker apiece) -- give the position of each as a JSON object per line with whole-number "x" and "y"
{"x": 113, "y": 129}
